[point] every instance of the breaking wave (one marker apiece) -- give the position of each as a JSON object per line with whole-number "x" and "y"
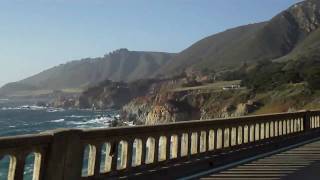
{"x": 101, "y": 120}
{"x": 76, "y": 116}
{"x": 57, "y": 121}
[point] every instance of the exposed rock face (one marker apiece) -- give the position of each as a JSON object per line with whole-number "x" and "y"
{"x": 171, "y": 111}
{"x": 307, "y": 15}
{"x": 160, "y": 108}
{"x": 151, "y": 112}
{"x": 63, "y": 102}
{"x": 171, "y": 106}
{"x": 241, "y": 109}
{"x": 158, "y": 115}
{"x": 110, "y": 94}
{"x": 137, "y": 110}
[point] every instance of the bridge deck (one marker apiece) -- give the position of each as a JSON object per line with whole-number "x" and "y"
{"x": 295, "y": 164}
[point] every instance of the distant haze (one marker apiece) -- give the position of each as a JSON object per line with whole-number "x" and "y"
{"x": 38, "y": 34}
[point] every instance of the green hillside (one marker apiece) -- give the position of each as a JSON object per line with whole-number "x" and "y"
{"x": 294, "y": 30}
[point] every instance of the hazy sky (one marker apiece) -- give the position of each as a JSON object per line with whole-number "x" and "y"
{"x": 38, "y": 34}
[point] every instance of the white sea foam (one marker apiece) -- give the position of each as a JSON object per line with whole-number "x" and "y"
{"x": 76, "y": 116}
{"x": 27, "y": 107}
{"x": 10, "y": 108}
{"x": 57, "y": 121}
{"x": 33, "y": 108}
{"x": 24, "y": 107}
{"x": 96, "y": 127}
{"x": 97, "y": 121}
{"x": 55, "y": 110}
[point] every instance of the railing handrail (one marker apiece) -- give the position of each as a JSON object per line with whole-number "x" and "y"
{"x": 61, "y": 147}
{"x": 242, "y": 119}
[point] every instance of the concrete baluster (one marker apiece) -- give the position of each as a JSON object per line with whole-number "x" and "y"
{"x": 97, "y": 159}
{"x": 65, "y": 156}
{"x": 129, "y": 154}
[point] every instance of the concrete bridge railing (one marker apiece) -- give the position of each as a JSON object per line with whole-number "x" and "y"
{"x": 73, "y": 154}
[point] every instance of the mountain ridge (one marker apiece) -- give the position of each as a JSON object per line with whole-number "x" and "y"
{"x": 119, "y": 65}
{"x": 251, "y": 43}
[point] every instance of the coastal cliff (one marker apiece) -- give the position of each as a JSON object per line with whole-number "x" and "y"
{"x": 195, "y": 105}
{"x": 189, "y": 105}
{"x": 265, "y": 87}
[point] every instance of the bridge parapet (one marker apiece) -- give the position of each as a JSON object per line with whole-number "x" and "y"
{"x": 113, "y": 152}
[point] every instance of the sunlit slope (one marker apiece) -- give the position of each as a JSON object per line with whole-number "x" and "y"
{"x": 295, "y": 29}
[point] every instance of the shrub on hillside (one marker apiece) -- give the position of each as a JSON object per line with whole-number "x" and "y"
{"x": 268, "y": 75}
{"x": 313, "y": 78}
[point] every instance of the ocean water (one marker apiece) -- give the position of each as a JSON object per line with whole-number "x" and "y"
{"x": 17, "y": 119}
{"x": 32, "y": 119}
